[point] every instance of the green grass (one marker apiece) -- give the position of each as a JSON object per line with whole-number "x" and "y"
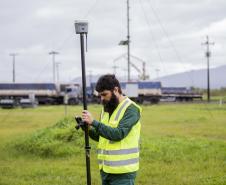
{"x": 59, "y": 140}
{"x": 181, "y": 144}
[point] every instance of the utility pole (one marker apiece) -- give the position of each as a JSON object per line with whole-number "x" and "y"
{"x": 53, "y": 53}
{"x": 58, "y": 72}
{"x": 127, "y": 42}
{"x": 14, "y": 58}
{"x": 208, "y": 54}
{"x": 128, "y": 39}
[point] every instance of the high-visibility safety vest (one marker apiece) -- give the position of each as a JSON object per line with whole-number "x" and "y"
{"x": 119, "y": 156}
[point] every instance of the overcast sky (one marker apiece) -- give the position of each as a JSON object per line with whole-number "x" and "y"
{"x": 167, "y": 34}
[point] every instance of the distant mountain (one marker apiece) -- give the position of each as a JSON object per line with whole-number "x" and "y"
{"x": 196, "y": 78}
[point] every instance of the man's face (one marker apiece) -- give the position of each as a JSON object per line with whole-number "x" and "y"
{"x": 105, "y": 96}
{"x": 109, "y": 100}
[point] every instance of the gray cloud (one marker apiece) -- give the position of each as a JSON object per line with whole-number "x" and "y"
{"x": 166, "y": 34}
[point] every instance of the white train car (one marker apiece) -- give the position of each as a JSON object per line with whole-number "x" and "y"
{"x": 143, "y": 91}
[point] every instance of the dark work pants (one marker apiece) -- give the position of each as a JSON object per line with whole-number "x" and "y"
{"x": 118, "y": 179}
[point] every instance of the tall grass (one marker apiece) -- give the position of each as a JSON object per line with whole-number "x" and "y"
{"x": 59, "y": 140}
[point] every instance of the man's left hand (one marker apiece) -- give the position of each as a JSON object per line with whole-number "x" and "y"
{"x": 87, "y": 117}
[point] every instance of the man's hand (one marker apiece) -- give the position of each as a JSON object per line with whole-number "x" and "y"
{"x": 87, "y": 117}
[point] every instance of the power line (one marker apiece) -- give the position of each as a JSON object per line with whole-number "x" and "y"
{"x": 171, "y": 43}
{"x": 169, "y": 39}
{"x": 114, "y": 68}
{"x": 165, "y": 32}
{"x": 41, "y": 71}
{"x": 152, "y": 36}
{"x": 179, "y": 58}
{"x": 58, "y": 47}
{"x": 91, "y": 8}
{"x": 69, "y": 36}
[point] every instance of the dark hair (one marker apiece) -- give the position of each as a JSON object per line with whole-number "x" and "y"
{"x": 108, "y": 82}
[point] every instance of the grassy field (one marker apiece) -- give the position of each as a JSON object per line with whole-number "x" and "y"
{"x": 181, "y": 144}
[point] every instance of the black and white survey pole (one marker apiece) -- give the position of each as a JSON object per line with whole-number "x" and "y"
{"x": 81, "y": 27}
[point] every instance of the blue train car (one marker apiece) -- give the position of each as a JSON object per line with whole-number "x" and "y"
{"x": 144, "y": 91}
{"x": 179, "y": 94}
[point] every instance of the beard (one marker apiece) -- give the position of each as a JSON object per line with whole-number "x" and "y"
{"x": 111, "y": 105}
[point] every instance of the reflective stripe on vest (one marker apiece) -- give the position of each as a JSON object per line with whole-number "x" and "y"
{"x": 120, "y": 163}
{"x": 119, "y": 152}
{"x": 102, "y": 114}
{"x": 118, "y": 114}
{"x": 120, "y": 110}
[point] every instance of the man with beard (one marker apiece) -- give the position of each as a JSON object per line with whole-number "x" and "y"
{"x": 117, "y": 133}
